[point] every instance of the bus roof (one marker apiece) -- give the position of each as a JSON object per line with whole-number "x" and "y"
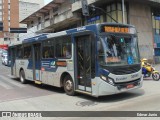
{"x": 70, "y": 31}
{"x": 36, "y": 38}
{"x": 15, "y": 43}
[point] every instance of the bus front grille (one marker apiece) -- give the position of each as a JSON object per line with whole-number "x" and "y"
{"x": 124, "y": 84}
{"x": 123, "y": 70}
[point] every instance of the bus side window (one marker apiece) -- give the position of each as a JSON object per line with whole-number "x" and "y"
{"x": 101, "y": 54}
{"x": 67, "y": 51}
{"x": 27, "y": 52}
{"x": 58, "y": 50}
{"x": 19, "y": 52}
{"x": 63, "y": 47}
{"x": 46, "y": 54}
{"x": 48, "y": 49}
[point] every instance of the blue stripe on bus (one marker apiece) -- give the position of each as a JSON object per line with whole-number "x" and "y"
{"x": 37, "y": 64}
{"x": 30, "y": 64}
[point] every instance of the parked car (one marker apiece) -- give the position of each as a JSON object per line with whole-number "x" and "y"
{"x": 4, "y": 52}
{"x": 5, "y": 59}
{"x": 1, "y": 51}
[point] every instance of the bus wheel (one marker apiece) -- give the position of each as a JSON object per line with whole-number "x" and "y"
{"x": 22, "y": 77}
{"x": 69, "y": 86}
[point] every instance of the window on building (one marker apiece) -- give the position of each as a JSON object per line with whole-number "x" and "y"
{"x": 73, "y": 1}
{"x": 39, "y": 20}
{"x": 156, "y": 30}
{"x": 156, "y": 24}
{"x": 55, "y": 9}
{"x": 46, "y": 16}
{"x": 115, "y": 11}
{"x": 5, "y": 39}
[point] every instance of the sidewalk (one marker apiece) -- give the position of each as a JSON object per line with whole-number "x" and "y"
{"x": 157, "y": 67}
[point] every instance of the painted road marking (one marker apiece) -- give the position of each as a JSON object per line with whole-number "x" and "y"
{"x": 12, "y": 81}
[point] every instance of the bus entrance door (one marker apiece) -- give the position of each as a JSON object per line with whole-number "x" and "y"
{"x": 36, "y": 61}
{"x": 83, "y": 64}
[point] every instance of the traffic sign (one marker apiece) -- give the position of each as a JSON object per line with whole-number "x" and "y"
{"x": 85, "y": 9}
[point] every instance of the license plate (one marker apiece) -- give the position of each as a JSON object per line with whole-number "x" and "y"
{"x": 130, "y": 86}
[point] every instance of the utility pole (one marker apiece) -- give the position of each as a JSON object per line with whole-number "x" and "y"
{"x": 123, "y": 12}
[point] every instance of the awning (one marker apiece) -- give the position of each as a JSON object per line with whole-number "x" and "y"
{"x": 5, "y": 46}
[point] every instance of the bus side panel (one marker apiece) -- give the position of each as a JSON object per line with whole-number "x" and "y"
{"x": 29, "y": 69}
{"x": 51, "y": 73}
{"x": 52, "y": 77}
{"x": 26, "y": 65}
{"x": 17, "y": 67}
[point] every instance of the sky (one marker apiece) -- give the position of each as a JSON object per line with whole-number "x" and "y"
{"x": 47, "y": 1}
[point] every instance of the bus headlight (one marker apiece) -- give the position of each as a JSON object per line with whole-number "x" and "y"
{"x": 107, "y": 79}
{"x": 103, "y": 78}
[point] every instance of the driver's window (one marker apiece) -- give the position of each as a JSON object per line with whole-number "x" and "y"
{"x": 112, "y": 50}
{"x": 100, "y": 52}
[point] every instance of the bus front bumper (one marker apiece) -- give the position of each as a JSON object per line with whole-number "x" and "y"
{"x": 107, "y": 89}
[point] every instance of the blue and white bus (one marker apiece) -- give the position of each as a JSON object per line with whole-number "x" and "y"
{"x": 99, "y": 59}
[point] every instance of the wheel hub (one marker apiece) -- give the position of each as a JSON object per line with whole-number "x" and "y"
{"x": 68, "y": 85}
{"x": 22, "y": 78}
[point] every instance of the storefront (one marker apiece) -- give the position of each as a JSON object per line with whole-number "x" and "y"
{"x": 156, "y": 32}
{"x": 5, "y": 46}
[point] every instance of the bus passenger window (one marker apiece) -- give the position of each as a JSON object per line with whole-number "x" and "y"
{"x": 48, "y": 49}
{"x": 19, "y": 52}
{"x": 66, "y": 51}
{"x": 63, "y": 47}
{"x": 25, "y": 55}
{"x": 27, "y": 52}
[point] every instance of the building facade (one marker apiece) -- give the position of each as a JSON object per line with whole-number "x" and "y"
{"x": 144, "y": 15}
{"x": 40, "y": 2}
{"x": 55, "y": 16}
{"x": 26, "y": 9}
{"x": 9, "y": 14}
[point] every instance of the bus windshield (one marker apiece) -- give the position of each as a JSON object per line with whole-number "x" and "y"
{"x": 118, "y": 50}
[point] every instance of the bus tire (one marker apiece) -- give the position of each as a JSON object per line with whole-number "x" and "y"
{"x": 68, "y": 86}
{"x": 22, "y": 77}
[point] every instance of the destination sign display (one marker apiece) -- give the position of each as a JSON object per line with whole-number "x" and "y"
{"x": 118, "y": 29}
